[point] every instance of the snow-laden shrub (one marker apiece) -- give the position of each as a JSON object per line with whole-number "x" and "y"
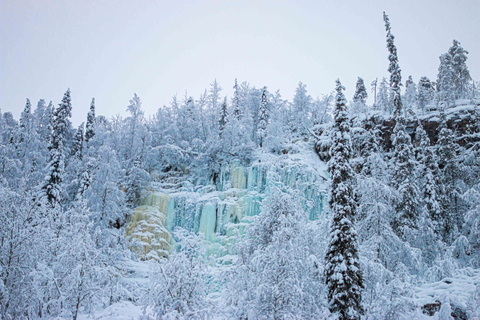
{"x": 179, "y": 284}
{"x": 279, "y": 270}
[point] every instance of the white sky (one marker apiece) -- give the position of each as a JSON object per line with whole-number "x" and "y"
{"x": 111, "y": 49}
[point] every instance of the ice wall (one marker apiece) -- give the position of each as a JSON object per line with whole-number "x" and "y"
{"x": 218, "y": 210}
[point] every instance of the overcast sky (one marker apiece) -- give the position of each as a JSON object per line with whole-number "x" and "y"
{"x": 112, "y": 49}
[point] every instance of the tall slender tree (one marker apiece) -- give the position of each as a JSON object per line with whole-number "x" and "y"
{"x": 410, "y": 96}
{"x": 445, "y": 85}
{"x": 394, "y": 69}
{"x": 461, "y": 75}
{"x": 77, "y": 145}
{"x": 343, "y": 273}
{"x": 403, "y": 159}
{"x": 90, "y": 126}
{"x": 447, "y": 150}
{"x": 383, "y": 100}
{"x": 52, "y": 186}
{"x": 222, "y": 122}
{"x": 263, "y": 117}
{"x": 236, "y": 110}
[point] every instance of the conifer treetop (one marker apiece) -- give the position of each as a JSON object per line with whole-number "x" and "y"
{"x": 394, "y": 69}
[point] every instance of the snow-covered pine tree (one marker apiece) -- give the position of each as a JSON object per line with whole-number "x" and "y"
{"x": 74, "y": 166}
{"x": 52, "y": 186}
{"x": 202, "y": 115}
{"x": 189, "y": 126}
{"x": 134, "y": 127}
{"x": 135, "y": 180}
{"x": 359, "y": 98}
{"x": 342, "y": 271}
{"x": 77, "y": 145}
{"x": 360, "y": 92}
{"x": 90, "y": 126}
{"x": 214, "y": 105}
{"x": 26, "y": 121}
{"x": 276, "y": 128}
{"x": 263, "y": 118}
{"x": 222, "y": 122}
{"x": 410, "y": 97}
{"x": 425, "y": 93}
{"x": 44, "y": 116}
{"x": 461, "y": 75}
{"x": 403, "y": 163}
{"x": 374, "y": 85}
{"x": 383, "y": 100}
{"x": 445, "y": 86}
{"x": 300, "y": 112}
{"x": 105, "y": 199}
{"x": 27, "y": 142}
{"x": 428, "y": 166}
{"x": 403, "y": 158}
{"x": 447, "y": 150}
{"x": 431, "y": 213}
{"x": 394, "y": 69}
{"x": 236, "y": 109}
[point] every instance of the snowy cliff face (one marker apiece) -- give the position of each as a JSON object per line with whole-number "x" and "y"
{"x": 219, "y": 211}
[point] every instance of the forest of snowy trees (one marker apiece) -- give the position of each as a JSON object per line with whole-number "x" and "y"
{"x": 402, "y": 210}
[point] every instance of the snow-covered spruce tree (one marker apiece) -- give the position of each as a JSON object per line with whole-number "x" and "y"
{"x": 445, "y": 86}
{"x": 276, "y": 128}
{"x": 461, "y": 75}
{"x": 90, "y": 126}
{"x": 403, "y": 166}
{"x": 359, "y": 98}
{"x": 403, "y": 158}
{"x": 29, "y": 148}
{"x": 394, "y": 69}
{"x": 26, "y": 122}
{"x": 425, "y": 93}
{"x": 77, "y": 145}
{"x": 42, "y": 115}
{"x": 374, "y": 85}
{"x": 263, "y": 118}
{"x": 447, "y": 150}
{"x": 471, "y": 226}
{"x": 222, "y": 122}
{"x": 342, "y": 271}
{"x": 213, "y": 109}
{"x": 383, "y": 100}
{"x": 301, "y": 108}
{"x": 135, "y": 180}
{"x": 188, "y": 124}
{"x": 52, "y": 188}
{"x": 360, "y": 92}
{"x": 134, "y": 128}
{"x": 202, "y": 111}
{"x": 410, "y": 97}
{"x": 75, "y": 165}
{"x": 431, "y": 212}
{"x": 105, "y": 199}
{"x": 236, "y": 109}
{"x": 380, "y": 248}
